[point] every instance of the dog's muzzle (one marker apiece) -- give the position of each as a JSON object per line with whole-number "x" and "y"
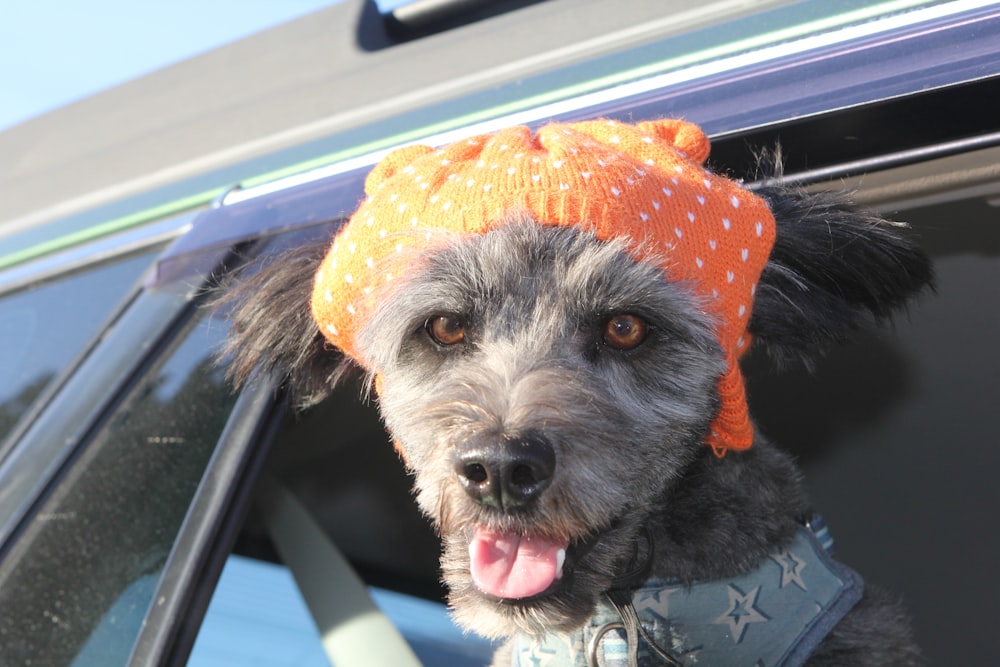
{"x": 506, "y": 474}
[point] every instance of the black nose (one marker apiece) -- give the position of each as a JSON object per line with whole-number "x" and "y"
{"x": 506, "y": 474}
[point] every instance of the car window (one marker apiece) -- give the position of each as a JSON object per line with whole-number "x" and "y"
{"x": 77, "y": 583}
{"x": 44, "y": 326}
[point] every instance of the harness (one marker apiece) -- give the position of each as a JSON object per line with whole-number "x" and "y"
{"x": 775, "y": 615}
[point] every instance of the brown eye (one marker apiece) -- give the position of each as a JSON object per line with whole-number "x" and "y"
{"x": 625, "y": 332}
{"x": 445, "y": 330}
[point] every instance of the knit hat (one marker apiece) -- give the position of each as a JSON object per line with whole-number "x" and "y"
{"x": 642, "y": 182}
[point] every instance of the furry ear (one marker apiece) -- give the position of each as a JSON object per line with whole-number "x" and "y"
{"x": 272, "y": 329}
{"x": 832, "y": 270}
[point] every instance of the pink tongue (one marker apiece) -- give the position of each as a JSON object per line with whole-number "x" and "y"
{"x": 510, "y": 566}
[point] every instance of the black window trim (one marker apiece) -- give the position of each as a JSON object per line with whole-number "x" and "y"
{"x": 213, "y": 521}
{"x": 871, "y": 137}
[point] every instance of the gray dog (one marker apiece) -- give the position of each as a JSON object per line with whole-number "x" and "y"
{"x": 565, "y": 387}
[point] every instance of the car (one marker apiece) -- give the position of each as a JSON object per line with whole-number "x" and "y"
{"x": 151, "y": 515}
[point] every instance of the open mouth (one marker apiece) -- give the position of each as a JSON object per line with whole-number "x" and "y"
{"x": 509, "y": 566}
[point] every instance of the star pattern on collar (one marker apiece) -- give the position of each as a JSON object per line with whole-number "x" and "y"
{"x": 791, "y": 568}
{"x": 741, "y": 613}
{"x": 656, "y": 602}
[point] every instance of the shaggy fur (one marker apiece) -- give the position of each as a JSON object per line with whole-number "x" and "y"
{"x": 626, "y": 428}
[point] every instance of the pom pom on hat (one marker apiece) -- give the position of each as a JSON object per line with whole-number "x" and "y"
{"x": 644, "y": 183}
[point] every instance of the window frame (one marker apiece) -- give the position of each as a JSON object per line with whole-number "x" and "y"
{"x": 215, "y": 516}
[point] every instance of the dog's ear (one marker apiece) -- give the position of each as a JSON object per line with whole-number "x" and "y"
{"x": 272, "y": 329}
{"x": 832, "y": 270}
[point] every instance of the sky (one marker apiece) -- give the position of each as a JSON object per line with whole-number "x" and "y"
{"x": 53, "y": 52}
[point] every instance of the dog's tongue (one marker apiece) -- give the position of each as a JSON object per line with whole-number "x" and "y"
{"x": 511, "y": 566}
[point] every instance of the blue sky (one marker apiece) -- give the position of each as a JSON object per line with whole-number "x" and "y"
{"x": 55, "y": 51}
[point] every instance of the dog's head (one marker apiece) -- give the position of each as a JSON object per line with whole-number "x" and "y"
{"x": 553, "y": 325}
{"x": 545, "y": 388}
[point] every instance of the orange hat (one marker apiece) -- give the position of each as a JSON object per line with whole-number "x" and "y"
{"x": 643, "y": 182}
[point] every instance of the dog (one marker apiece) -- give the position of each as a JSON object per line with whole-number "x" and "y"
{"x": 552, "y": 323}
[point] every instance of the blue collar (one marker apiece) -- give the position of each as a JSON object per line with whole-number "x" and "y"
{"x": 774, "y": 615}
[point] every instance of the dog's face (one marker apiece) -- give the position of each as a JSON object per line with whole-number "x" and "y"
{"x": 546, "y": 389}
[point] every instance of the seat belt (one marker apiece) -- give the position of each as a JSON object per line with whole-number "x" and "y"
{"x": 355, "y": 632}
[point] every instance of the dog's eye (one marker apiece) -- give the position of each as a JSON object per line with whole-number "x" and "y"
{"x": 445, "y": 330}
{"x": 625, "y": 332}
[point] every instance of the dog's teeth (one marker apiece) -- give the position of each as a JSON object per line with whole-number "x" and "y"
{"x": 560, "y": 559}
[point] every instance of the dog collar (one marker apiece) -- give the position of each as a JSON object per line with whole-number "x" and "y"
{"x": 774, "y": 615}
